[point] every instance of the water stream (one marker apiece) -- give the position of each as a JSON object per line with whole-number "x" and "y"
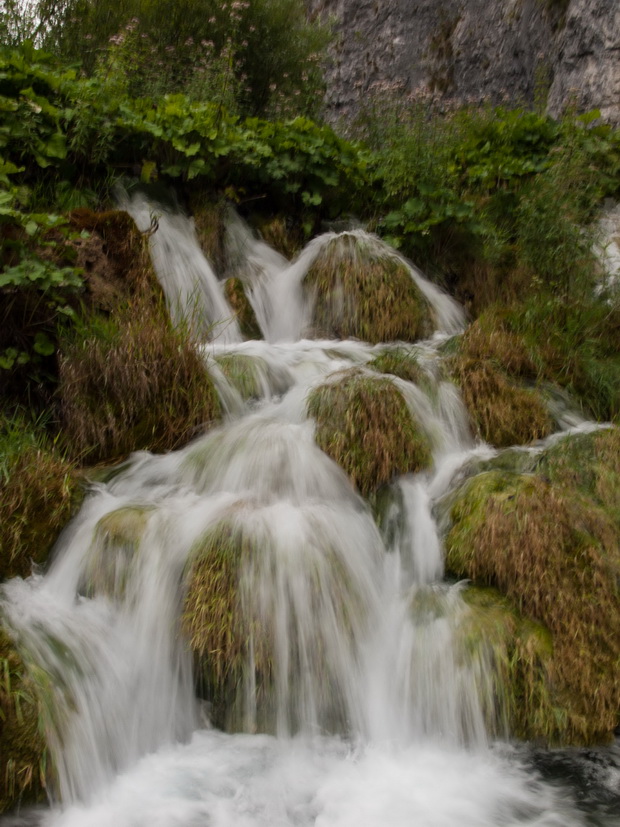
{"x": 374, "y": 716}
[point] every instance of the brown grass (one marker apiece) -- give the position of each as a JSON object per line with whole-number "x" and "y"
{"x": 23, "y": 756}
{"x": 550, "y": 553}
{"x": 490, "y": 339}
{"x": 210, "y": 229}
{"x": 133, "y": 382}
{"x": 244, "y": 312}
{"x": 363, "y": 424}
{"x": 38, "y": 493}
{"x": 286, "y": 240}
{"x": 363, "y": 292}
{"x": 502, "y": 412}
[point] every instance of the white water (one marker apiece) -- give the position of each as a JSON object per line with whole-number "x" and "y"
{"x": 376, "y": 717}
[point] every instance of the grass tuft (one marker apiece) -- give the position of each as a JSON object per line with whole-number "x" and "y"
{"x": 133, "y": 382}
{"x": 23, "y": 755}
{"x": 38, "y": 493}
{"x": 364, "y": 424}
{"x": 399, "y": 362}
{"x": 364, "y": 291}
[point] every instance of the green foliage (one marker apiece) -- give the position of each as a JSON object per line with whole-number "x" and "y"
{"x": 258, "y": 57}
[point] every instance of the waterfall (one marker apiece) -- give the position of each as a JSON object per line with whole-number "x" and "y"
{"x": 354, "y": 702}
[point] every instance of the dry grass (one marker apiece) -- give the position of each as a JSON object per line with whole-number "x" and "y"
{"x": 38, "y": 492}
{"x": 286, "y": 240}
{"x": 364, "y": 292}
{"x": 552, "y": 554}
{"x": 114, "y": 257}
{"x": 244, "y": 312}
{"x": 490, "y": 339}
{"x": 23, "y": 756}
{"x": 502, "y": 412}
{"x": 363, "y": 424}
{"x": 133, "y": 382}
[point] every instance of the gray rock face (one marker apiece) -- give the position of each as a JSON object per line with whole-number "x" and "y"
{"x": 554, "y": 52}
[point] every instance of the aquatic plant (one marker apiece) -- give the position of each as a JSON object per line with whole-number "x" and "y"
{"x": 364, "y": 424}
{"x": 364, "y": 290}
{"x": 556, "y": 556}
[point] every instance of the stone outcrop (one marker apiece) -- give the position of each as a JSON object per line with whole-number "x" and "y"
{"x": 554, "y": 52}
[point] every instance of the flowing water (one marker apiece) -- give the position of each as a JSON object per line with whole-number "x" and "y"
{"x": 373, "y": 715}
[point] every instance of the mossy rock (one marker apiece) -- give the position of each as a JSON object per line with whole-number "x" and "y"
{"x": 520, "y": 654}
{"x": 244, "y": 312}
{"x": 503, "y": 412}
{"x": 399, "y": 362}
{"x": 277, "y": 232}
{"x": 364, "y": 290}
{"x": 363, "y": 423}
{"x": 23, "y": 753}
{"x": 116, "y": 542}
{"x": 556, "y": 557}
{"x": 210, "y": 225}
{"x": 39, "y": 492}
{"x": 232, "y": 616}
{"x": 241, "y": 372}
{"x": 490, "y": 339}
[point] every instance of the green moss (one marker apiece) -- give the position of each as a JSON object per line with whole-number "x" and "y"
{"x": 117, "y": 539}
{"x": 240, "y": 370}
{"x": 520, "y": 652}
{"x": 23, "y": 755}
{"x": 555, "y": 556}
{"x": 364, "y": 424}
{"x": 38, "y": 493}
{"x": 399, "y": 362}
{"x": 244, "y": 312}
{"x": 364, "y": 291}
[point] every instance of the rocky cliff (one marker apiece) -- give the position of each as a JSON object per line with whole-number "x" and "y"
{"x": 555, "y": 52}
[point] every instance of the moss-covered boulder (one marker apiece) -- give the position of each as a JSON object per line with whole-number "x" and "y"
{"x": 243, "y": 310}
{"x": 115, "y": 544}
{"x": 502, "y": 411}
{"x": 401, "y": 362}
{"x": 23, "y": 754}
{"x": 555, "y": 555}
{"x": 38, "y": 493}
{"x": 519, "y": 653}
{"x": 247, "y": 581}
{"x": 364, "y": 290}
{"x": 363, "y": 423}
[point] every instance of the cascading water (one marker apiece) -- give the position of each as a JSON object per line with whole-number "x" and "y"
{"x": 374, "y": 713}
